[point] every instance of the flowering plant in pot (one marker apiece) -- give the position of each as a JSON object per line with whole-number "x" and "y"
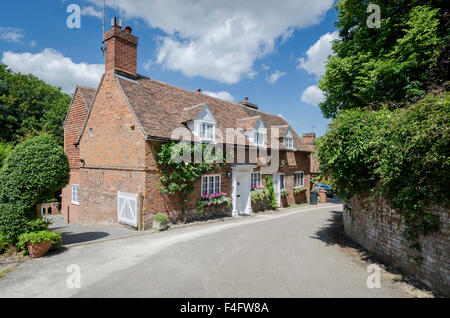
{"x": 37, "y": 244}
{"x": 212, "y": 200}
{"x": 160, "y": 222}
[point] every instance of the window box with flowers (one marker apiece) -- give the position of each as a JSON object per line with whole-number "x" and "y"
{"x": 212, "y": 206}
{"x": 260, "y": 198}
{"x": 300, "y": 195}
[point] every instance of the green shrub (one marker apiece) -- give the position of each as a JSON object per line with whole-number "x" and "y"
{"x": 35, "y": 169}
{"x": 271, "y": 196}
{"x": 5, "y": 150}
{"x": 3, "y": 243}
{"x": 402, "y": 155}
{"x": 284, "y": 193}
{"x": 161, "y": 218}
{"x": 38, "y": 237}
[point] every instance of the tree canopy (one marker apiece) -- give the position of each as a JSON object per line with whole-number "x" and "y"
{"x": 395, "y": 63}
{"x": 29, "y": 106}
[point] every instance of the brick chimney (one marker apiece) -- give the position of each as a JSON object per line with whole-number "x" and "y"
{"x": 309, "y": 139}
{"x": 121, "y": 50}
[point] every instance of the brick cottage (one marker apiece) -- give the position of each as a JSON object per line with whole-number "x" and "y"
{"x": 112, "y": 135}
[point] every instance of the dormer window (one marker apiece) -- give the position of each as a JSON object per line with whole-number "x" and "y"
{"x": 289, "y": 142}
{"x": 207, "y": 131}
{"x": 259, "y": 139}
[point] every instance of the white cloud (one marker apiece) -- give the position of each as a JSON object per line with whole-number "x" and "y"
{"x": 33, "y": 43}
{"x": 222, "y": 95}
{"x": 274, "y": 77}
{"x": 312, "y": 95}
{"x": 265, "y": 67}
{"x": 220, "y": 40}
{"x": 91, "y": 11}
{"x": 55, "y": 69}
{"x": 11, "y": 34}
{"x": 317, "y": 55}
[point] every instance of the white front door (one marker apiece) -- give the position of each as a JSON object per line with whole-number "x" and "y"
{"x": 277, "y": 188}
{"x": 242, "y": 204}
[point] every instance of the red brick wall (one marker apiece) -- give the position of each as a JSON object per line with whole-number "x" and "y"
{"x": 379, "y": 228}
{"x": 72, "y": 130}
{"x": 115, "y": 156}
{"x": 121, "y": 52}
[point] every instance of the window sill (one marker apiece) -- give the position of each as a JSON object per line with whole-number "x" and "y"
{"x": 75, "y": 203}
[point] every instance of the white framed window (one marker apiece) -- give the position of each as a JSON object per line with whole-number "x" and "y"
{"x": 211, "y": 184}
{"x": 299, "y": 179}
{"x": 289, "y": 142}
{"x": 282, "y": 185}
{"x": 75, "y": 194}
{"x": 259, "y": 139}
{"x": 256, "y": 179}
{"x": 207, "y": 131}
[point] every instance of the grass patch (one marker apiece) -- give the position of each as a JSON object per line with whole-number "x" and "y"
{"x": 4, "y": 272}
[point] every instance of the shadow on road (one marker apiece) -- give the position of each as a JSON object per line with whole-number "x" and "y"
{"x": 72, "y": 238}
{"x": 333, "y": 234}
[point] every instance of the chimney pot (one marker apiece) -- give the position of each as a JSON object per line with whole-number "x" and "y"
{"x": 246, "y": 99}
{"x": 199, "y": 90}
{"x": 121, "y": 50}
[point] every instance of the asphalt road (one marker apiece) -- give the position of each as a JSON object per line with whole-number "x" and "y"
{"x": 272, "y": 255}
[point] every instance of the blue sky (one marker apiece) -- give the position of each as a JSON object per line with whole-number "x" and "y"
{"x": 270, "y": 51}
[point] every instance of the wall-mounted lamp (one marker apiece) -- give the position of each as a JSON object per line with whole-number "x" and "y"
{"x": 283, "y": 163}
{"x": 228, "y": 174}
{"x": 82, "y": 162}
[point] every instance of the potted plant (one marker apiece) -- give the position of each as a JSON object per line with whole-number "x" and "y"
{"x": 38, "y": 243}
{"x": 160, "y": 222}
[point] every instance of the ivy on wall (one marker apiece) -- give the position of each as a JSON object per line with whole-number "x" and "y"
{"x": 178, "y": 177}
{"x": 402, "y": 155}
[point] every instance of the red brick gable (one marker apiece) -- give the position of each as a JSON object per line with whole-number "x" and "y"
{"x": 75, "y": 119}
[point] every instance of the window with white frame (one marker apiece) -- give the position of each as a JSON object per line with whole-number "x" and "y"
{"x": 282, "y": 186}
{"x": 211, "y": 184}
{"x": 299, "y": 179}
{"x": 75, "y": 194}
{"x": 289, "y": 142}
{"x": 259, "y": 139}
{"x": 207, "y": 131}
{"x": 256, "y": 179}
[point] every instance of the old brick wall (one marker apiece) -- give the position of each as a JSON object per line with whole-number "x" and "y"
{"x": 379, "y": 228}
{"x": 114, "y": 152}
{"x": 72, "y": 130}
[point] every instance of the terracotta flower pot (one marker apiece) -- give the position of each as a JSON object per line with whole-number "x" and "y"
{"x": 39, "y": 249}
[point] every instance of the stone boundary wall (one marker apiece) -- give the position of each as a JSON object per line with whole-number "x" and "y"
{"x": 379, "y": 229}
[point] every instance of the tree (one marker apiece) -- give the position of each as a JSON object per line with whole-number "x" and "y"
{"x": 36, "y": 169}
{"x": 395, "y": 63}
{"x": 29, "y": 106}
{"x": 5, "y": 150}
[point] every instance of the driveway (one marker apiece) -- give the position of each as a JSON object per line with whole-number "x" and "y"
{"x": 78, "y": 234}
{"x": 285, "y": 254}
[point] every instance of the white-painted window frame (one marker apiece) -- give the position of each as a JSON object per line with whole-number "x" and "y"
{"x": 282, "y": 183}
{"x": 256, "y": 179}
{"x": 289, "y": 142}
{"x": 75, "y": 199}
{"x": 302, "y": 174}
{"x": 211, "y": 184}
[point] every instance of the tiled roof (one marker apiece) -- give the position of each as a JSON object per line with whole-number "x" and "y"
{"x": 88, "y": 94}
{"x": 161, "y": 108}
